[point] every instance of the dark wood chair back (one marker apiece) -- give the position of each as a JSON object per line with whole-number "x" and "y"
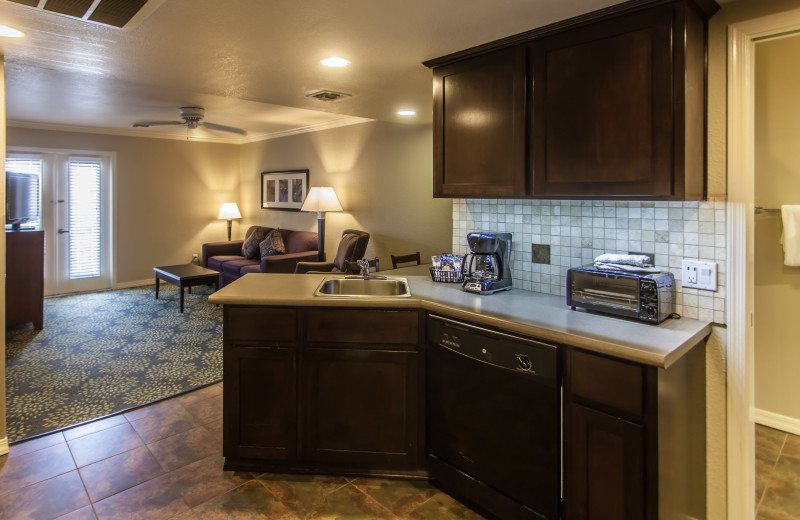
{"x": 404, "y": 259}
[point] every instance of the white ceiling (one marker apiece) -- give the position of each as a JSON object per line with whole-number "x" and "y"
{"x": 250, "y": 63}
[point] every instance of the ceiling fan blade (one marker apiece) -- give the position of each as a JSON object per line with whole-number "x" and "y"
{"x": 224, "y": 128}
{"x": 147, "y": 124}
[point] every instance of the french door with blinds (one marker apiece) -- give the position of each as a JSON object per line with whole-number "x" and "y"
{"x": 81, "y": 229}
{"x": 75, "y": 200}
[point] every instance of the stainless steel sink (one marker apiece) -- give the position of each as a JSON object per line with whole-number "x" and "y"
{"x": 358, "y": 287}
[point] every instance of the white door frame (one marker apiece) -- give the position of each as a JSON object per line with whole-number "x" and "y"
{"x": 742, "y": 38}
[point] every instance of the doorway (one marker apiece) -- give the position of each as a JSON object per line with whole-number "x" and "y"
{"x": 776, "y": 358}
{"x": 75, "y": 199}
{"x": 742, "y": 40}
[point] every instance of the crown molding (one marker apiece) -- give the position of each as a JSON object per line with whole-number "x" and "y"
{"x": 155, "y": 134}
{"x": 306, "y": 129}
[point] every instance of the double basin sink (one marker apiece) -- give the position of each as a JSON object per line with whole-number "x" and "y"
{"x": 355, "y": 287}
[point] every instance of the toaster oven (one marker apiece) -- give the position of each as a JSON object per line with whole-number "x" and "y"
{"x": 649, "y": 297}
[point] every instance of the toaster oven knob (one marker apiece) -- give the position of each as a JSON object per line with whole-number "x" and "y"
{"x": 650, "y": 311}
{"x": 523, "y": 362}
{"x": 648, "y": 291}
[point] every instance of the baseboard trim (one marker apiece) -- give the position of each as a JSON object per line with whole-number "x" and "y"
{"x": 137, "y": 283}
{"x": 4, "y": 446}
{"x": 775, "y": 420}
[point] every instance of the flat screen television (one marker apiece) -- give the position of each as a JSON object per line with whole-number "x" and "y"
{"x": 19, "y": 208}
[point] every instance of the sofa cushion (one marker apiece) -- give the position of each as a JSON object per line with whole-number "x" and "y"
{"x": 272, "y": 244}
{"x": 300, "y": 241}
{"x": 255, "y": 268}
{"x": 250, "y": 244}
{"x": 215, "y": 262}
{"x": 234, "y": 266}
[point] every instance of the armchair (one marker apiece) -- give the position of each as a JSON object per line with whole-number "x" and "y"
{"x": 352, "y": 247}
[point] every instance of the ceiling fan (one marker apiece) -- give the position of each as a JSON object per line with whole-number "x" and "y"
{"x": 192, "y": 117}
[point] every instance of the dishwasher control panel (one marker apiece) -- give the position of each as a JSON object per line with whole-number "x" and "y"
{"x": 508, "y": 351}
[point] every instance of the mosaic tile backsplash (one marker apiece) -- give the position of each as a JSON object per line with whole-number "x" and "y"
{"x": 577, "y": 231}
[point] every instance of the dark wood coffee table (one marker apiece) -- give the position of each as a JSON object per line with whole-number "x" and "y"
{"x": 186, "y": 275}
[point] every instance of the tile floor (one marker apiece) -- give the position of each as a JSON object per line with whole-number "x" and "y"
{"x": 164, "y": 461}
{"x": 777, "y": 475}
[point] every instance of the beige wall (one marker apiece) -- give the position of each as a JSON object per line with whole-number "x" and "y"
{"x": 382, "y": 174}
{"x": 777, "y": 171}
{"x": 167, "y": 194}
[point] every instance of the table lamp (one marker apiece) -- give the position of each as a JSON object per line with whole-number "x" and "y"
{"x": 229, "y": 210}
{"x": 321, "y": 199}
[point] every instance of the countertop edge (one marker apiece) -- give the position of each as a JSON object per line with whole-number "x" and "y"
{"x": 689, "y": 334}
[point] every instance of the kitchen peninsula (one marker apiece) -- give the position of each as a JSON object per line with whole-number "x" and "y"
{"x": 338, "y": 385}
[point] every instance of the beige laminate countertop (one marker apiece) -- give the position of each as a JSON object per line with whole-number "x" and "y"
{"x": 540, "y": 315}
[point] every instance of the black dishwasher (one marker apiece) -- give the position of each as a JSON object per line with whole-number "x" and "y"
{"x": 494, "y": 419}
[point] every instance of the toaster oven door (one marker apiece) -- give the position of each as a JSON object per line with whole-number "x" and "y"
{"x": 605, "y": 292}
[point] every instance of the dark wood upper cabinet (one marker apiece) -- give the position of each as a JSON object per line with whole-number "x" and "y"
{"x": 611, "y": 106}
{"x": 480, "y": 126}
{"x": 608, "y": 110}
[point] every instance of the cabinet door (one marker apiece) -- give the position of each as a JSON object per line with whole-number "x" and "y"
{"x": 604, "y": 467}
{"x": 603, "y": 109}
{"x": 362, "y": 408}
{"x": 260, "y": 403}
{"x": 25, "y": 278}
{"x": 480, "y": 126}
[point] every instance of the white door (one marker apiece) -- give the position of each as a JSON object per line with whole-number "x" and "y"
{"x": 80, "y": 230}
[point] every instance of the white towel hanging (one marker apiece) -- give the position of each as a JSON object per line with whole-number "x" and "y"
{"x": 790, "y": 237}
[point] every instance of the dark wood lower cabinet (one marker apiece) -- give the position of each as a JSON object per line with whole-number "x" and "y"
{"x": 25, "y": 278}
{"x": 634, "y": 438}
{"x": 321, "y": 390}
{"x": 362, "y": 407}
{"x": 263, "y": 401}
{"x": 342, "y": 390}
{"x": 606, "y": 468}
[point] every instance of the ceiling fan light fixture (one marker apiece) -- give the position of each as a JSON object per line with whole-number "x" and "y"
{"x": 192, "y": 117}
{"x": 335, "y": 62}
{"x": 328, "y": 95}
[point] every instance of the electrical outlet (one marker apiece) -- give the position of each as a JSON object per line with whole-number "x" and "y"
{"x": 699, "y": 275}
{"x": 195, "y": 259}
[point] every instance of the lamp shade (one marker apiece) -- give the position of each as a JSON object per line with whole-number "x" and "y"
{"x": 321, "y": 198}
{"x": 229, "y": 210}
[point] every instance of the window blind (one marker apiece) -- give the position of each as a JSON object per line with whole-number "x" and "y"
{"x": 84, "y": 218}
{"x": 33, "y": 167}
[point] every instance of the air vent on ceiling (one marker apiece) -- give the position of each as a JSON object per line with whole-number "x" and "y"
{"x": 328, "y": 95}
{"x": 116, "y": 13}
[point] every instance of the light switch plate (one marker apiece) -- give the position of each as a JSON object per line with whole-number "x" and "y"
{"x": 699, "y": 275}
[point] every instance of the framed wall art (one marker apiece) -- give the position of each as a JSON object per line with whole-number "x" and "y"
{"x": 284, "y": 189}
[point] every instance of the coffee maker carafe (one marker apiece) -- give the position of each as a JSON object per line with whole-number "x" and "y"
{"x": 487, "y": 266}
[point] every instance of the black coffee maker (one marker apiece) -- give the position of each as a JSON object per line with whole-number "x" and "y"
{"x": 486, "y": 269}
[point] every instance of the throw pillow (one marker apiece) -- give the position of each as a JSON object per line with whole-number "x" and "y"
{"x": 273, "y": 244}
{"x": 250, "y": 245}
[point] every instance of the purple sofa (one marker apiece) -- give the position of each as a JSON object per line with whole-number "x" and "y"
{"x": 226, "y": 257}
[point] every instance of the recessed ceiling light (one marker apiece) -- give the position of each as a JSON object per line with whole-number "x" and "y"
{"x": 336, "y": 61}
{"x": 10, "y": 32}
{"x": 406, "y": 113}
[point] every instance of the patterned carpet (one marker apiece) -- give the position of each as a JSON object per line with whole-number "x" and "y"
{"x": 105, "y": 352}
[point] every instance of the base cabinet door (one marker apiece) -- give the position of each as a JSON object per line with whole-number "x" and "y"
{"x": 261, "y": 404}
{"x": 361, "y": 408}
{"x": 605, "y": 467}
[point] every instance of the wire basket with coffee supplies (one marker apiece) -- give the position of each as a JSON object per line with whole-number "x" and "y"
{"x": 447, "y": 268}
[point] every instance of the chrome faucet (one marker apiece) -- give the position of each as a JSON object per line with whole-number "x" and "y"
{"x": 364, "y": 265}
